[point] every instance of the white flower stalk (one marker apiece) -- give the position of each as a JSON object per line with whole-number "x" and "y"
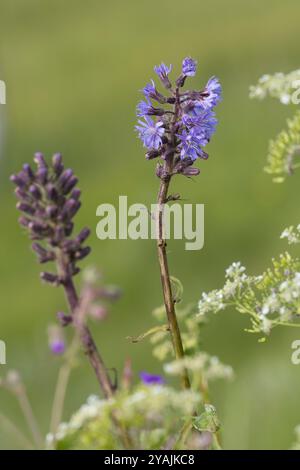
{"x": 292, "y": 234}
{"x": 281, "y": 86}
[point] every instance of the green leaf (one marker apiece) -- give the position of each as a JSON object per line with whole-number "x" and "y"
{"x": 208, "y": 420}
{"x": 177, "y": 289}
{"x": 152, "y": 331}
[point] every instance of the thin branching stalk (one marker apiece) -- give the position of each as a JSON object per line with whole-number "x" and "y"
{"x": 83, "y": 331}
{"x": 16, "y": 432}
{"x": 62, "y": 385}
{"x": 29, "y": 417}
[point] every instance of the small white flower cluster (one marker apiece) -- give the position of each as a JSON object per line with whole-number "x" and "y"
{"x": 292, "y": 234}
{"x": 211, "y": 302}
{"x": 286, "y": 300}
{"x": 146, "y": 407}
{"x": 89, "y": 410}
{"x": 210, "y": 367}
{"x": 270, "y": 299}
{"x": 216, "y": 300}
{"x": 281, "y": 86}
{"x": 296, "y": 445}
{"x": 235, "y": 271}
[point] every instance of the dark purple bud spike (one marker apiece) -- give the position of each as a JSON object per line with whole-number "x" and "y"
{"x": 51, "y": 222}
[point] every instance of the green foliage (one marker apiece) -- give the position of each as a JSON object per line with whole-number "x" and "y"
{"x": 281, "y": 160}
{"x": 207, "y": 421}
{"x": 154, "y": 416}
{"x": 283, "y": 150}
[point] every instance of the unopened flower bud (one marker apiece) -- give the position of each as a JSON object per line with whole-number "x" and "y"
{"x": 56, "y": 340}
{"x": 50, "y": 278}
{"x": 57, "y": 163}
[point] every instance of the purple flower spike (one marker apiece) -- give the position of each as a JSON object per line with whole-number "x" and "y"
{"x": 185, "y": 123}
{"x": 189, "y": 67}
{"x": 58, "y": 347}
{"x": 151, "y": 379}
{"x": 49, "y": 201}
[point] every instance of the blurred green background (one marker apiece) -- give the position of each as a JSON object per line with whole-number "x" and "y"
{"x": 73, "y": 72}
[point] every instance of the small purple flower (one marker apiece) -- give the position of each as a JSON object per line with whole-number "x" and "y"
{"x": 56, "y": 340}
{"x": 203, "y": 122}
{"x": 150, "y": 132}
{"x": 151, "y": 379}
{"x": 189, "y": 67}
{"x": 58, "y": 347}
{"x": 151, "y": 92}
{"x": 191, "y": 145}
{"x": 213, "y": 90}
{"x": 145, "y": 108}
{"x": 163, "y": 71}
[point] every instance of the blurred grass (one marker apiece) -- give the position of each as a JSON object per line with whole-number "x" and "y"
{"x": 73, "y": 71}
